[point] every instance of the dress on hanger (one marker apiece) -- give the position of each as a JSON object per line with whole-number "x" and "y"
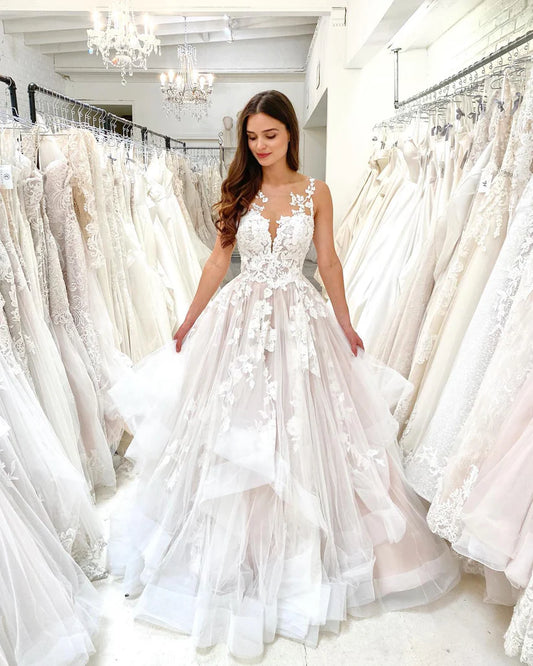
{"x": 519, "y": 635}
{"x": 459, "y": 288}
{"x": 44, "y": 475}
{"x": 426, "y": 465}
{"x": 97, "y": 461}
{"x": 271, "y": 497}
{"x": 49, "y": 609}
{"x": 506, "y": 373}
{"x": 470, "y": 270}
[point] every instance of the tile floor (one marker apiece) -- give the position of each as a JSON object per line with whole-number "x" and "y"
{"x": 459, "y": 630}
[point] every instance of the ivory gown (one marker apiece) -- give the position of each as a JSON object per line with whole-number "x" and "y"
{"x": 271, "y": 497}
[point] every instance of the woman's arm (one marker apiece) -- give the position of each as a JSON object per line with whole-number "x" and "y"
{"x": 215, "y": 269}
{"x": 329, "y": 264}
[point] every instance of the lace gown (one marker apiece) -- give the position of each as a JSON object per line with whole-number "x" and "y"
{"x": 270, "y": 495}
{"x": 427, "y": 462}
{"x": 97, "y": 462}
{"x": 458, "y": 291}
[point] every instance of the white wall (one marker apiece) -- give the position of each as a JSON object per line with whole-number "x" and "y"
{"x": 359, "y": 98}
{"x": 228, "y": 98}
{"x": 489, "y": 26}
{"x": 26, "y": 65}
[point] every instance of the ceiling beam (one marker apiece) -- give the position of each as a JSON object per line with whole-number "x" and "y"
{"x": 276, "y": 53}
{"x": 189, "y": 7}
{"x": 74, "y": 20}
{"x": 197, "y": 38}
{"x": 46, "y": 37}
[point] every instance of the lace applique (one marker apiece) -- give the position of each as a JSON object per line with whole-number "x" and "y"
{"x": 444, "y": 517}
{"x": 64, "y": 227}
{"x": 276, "y": 261}
{"x": 519, "y": 635}
{"x": 524, "y": 149}
{"x": 84, "y": 197}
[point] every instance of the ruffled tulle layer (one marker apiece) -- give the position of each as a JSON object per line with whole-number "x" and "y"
{"x": 270, "y": 496}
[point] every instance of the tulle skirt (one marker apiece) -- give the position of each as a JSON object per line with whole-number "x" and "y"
{"x": 49, "y": 610}
{"x": 270, "y": 494}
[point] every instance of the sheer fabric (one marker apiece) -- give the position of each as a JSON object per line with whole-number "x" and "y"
{"x": 270, "y": 497}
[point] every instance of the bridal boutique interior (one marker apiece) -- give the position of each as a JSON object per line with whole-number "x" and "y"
{"x": 419, "y": 116}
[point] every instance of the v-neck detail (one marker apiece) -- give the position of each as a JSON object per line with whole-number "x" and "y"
{"x": 297, "y": 204}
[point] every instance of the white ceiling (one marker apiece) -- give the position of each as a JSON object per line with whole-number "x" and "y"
{"x": 63, "y": 36}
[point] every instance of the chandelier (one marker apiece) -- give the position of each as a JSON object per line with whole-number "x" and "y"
{"x": 186, "y": 89}
{"x": 119, "y": 43}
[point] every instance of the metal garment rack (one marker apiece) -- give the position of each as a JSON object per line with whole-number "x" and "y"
{"x": 467, "y": 71}
{"x": 12, "y": 94}
{"x": 108, "y": 119}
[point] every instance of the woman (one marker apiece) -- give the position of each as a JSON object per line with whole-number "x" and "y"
{"x": 271, "y": 494}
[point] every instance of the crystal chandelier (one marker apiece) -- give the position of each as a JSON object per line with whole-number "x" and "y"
{"x": 119, "y": 43}
{"x": 186, "y": 89}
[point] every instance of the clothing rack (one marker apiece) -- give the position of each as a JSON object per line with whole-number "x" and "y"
{"x": 465, "y": 77}
{"x": 12, "y": 94}
{"x": 106, "y": 120}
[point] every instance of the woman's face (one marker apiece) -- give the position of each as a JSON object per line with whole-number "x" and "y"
{"x": 268, "y": 139}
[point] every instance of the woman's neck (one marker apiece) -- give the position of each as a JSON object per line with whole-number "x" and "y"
{"x": 278, "y": 174}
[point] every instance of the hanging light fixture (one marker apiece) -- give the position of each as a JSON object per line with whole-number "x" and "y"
{"x": 119, "y": 42}
{"x": 186, "y": 89}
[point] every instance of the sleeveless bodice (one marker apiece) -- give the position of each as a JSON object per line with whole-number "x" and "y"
{"x": 279, "y": 261}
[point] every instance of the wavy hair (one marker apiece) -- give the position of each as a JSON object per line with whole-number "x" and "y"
{"x": 245, "y": 173}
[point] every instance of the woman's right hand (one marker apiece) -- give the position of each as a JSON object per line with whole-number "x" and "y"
{"x": 180, "y": 335}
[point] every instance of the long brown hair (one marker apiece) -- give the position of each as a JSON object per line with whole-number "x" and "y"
{"x": 245, "y": 173}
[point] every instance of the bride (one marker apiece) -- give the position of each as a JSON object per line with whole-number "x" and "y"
{"x": 270, "y": 496}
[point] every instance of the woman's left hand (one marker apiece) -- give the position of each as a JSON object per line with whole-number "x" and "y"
{"x": 354, "y": 340}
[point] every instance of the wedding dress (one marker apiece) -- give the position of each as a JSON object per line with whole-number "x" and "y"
{"x": 270, "y": 495}
{"x": 44, "y": 475}
{"x": 49, "y": 609}
{"x": 387, "y": 184}
{"x": 86, "y": 302}
{"x": 398, "y": 337}
{"x": 459, "y": 286}
{"x": 425, "y": 464}
{"x": 42, "y": 360}
{"x": 506, "y": 373}
{"x": 519, "y": 636}
{"x": 97, "y": 462}
{"x": 497, "y": 517}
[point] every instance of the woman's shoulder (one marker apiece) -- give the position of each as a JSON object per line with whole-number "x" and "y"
{"x": 319, "y": 187}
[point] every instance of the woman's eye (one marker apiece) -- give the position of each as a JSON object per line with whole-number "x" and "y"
{"x": 271, "y": 137}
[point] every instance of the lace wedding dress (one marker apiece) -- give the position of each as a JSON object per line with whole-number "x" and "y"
{"x": 270, "y": 496}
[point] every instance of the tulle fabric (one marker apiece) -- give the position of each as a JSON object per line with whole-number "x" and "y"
{"x": 45, "y": 476}
{"x": 270, "y": 495}
{"x": 49, "y": 609}
{"x": 497, "y": 518}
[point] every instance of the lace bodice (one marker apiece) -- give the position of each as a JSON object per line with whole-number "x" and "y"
{"x": 280, "y": 260}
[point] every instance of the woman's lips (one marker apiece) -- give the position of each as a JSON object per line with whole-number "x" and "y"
{"x": 262, "y": 155}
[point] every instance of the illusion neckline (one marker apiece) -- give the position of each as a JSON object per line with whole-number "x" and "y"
{"x": 307, "y": 194}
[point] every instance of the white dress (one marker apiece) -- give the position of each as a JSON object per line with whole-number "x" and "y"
{"x": 49, "y": 609}
{"x": 45, "y": 477}
{"x": 271, "y": 497}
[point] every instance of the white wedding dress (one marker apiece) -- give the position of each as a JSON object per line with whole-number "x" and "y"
{"x": 270, "y": 495}
{"x": 49, "y": 610}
